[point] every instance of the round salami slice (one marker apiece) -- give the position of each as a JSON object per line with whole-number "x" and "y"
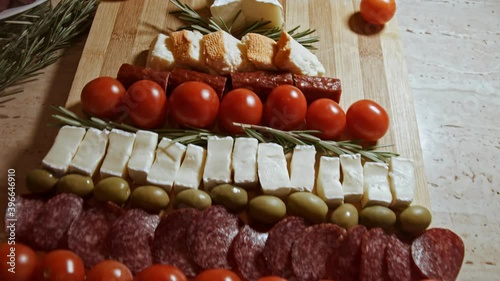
{"x": 22, "y": 217}
{"x": 53, "y": 221}
{"x": 344, "y": 263}
{"x": 87, "y": 235}
{"x": 313, "y": 249}
{"x": 279, "y": 245}
{"x": 215, "y": 231}
{"x": 131, "y": 237}
{"x": 438, "y": 254}
{"x": 247, "y": 253}
{"x": 170, "y": 241}
{"x": 373, "y": 266}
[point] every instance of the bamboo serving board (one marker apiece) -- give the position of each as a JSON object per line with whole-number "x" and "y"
{"x": 369, "y": 61}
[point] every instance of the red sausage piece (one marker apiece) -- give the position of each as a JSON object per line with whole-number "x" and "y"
{"x": 260, "y": 82}
{"x": 373, "y": 266}
{"x": 180, "y": 75}
{"x": 128, "y": 74}
{"x": 26, "y": 212}
{"x": 345, "y": 262}
{"x": 247, "y": 253}
{"x": 318, "y": 87}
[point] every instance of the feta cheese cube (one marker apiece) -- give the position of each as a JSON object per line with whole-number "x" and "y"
{"x": 245, "y": 162}
{"x": 402, "y": 180}
{"x": 376, "y": 185}
{"x": 90, "y": 152}
{"x": 352, "y": 183}
{"x": 160, "y": 56}
{"x": 302, "y": 168}
{"x": 191, "y": 171}
{"x": 119, "y": 151}
{"x": 328, "y": 185}
{"x": 218, "y": 165}
{"x": 272, "y": 170}
{"x": 168, "y": 160}
{"x": 143, "y": 155}
{"x": 64, "y": 148}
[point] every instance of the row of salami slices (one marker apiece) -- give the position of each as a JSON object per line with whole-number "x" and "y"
{"x": 195, "y": 240}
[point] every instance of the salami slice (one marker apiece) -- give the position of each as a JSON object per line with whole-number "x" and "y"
{"x": 260, "y": 82}
{"x": 312, "y": 250}
{"x": 170, "y": 241}
{"x": 131, "y": 237}
{"x": 344, "y": 263}
{"x": 215, "y": 231}
{"x": 128, "y": 74}
{"x": 24, "y": 211}
{"x": 279, "y": 245}
{"x": 373, "y": 266}
{"x": 314, "y": 87}
{"x": 53, "y": 221}
{"x": 438, "y": 254}
{"x": 247, "y": 253}
{"x": 180, "y": 75}
{"x": 87, "y": 235}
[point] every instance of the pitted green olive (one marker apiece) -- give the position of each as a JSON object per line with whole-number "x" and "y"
{"x": 75, "y": 183}
{"x": 415, "y": 219}
{"x": 40, "y": 181}
{"x": 232, "y": 197}
{"x": 149, "y": 198}
{"x": 112, "y": 189}
{"x": 192, "y": 198}
{"x": 345, "y": 216}
{"x": 377, "y": 216}
{"x": 307, "y": 205}
{"x": 267, "y": 209}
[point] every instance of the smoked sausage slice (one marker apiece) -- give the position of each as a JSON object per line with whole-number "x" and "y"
{"x": 180, "y": 75}
{"x": 373, "y": 266}
{"x": 345, "y": 262}
{"x": 260, "y": 82}
{"x": 128, "y": 74}
{"x": 318, "y": 87}
{"x": 24, "y": 212}
{"x": 247, "y": 253}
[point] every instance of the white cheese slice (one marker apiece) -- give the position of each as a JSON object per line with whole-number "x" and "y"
{"x": 328, "y": 185}
{"x": 352, "y": 183}
{"x": 191, "y": 171}
{"x": 119, "y": 151}
{"x": 64, "y": 148}
{"x": 268, "y": 10}
{"x": 168, "y": 160}
{"x": 245, "y": 162}
{"x": 302, "y": 168}
{"x": 227, "y": 11}
{"x": 90, "y": 152}
{"x": 160, "y": 56}
{"x": 376, "y": 185}
{"x": 218, "y": 165}
{"x": 143, "y": 155}
{"x": 402, "y": 180}
{"x": 272, "y": 170}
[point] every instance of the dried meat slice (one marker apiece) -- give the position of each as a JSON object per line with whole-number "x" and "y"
{"x": 373, "y": 266}
{"x": 260, "y": 82}
{"x": 128, "y": 74}
{"x": 22, "y": 216}
{"x": 247, "y": 253}
{"x": 180, "y": 75}
{"x": 345, "y": 262}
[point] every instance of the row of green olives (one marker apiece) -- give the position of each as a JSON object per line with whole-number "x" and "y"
{"x": 413, "y": 220}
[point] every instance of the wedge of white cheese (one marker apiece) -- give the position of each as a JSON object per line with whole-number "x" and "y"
{"x": 167, "y": 162}
{"x": 90, "y": 152}
{"x": 119, "y": 151}
{"x": 328, "y": 185}
{"x": 245, "y": 162}
{"x": 302, "y": 168}
{"x": 191, "y": 171}
{"x": 143, "y": 155}
{"x": 160, "y": 56}
{"x": 376, "y": 185}
{"x": 402, "y": 180}
{"x": 226, "y": 10}
{"x": 218, "y": 165}
{"x": 352, "y": 183}
{"x": 272, "y": 170}
{"x": 64, "y": 148}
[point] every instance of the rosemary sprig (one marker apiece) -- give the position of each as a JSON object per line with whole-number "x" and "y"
{"x": 207, "y": 25}
{"x": 35, "y": 39}
{"x": 287, "y": 139}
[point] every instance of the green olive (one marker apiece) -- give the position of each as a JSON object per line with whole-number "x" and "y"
{"x": 112, "y": 189}
{"x": 415, "y": 219}
{"x": 232, "y": 197}
{"x": 307, "y": 205}
{"x": 377, "y": 216}
{"x": 40, "y": 181}
{"x": 346, "y": 216}
{"x": 75, "y": 183}
{"x": 192, "y": 198}
{"x": 267, "y": 209}
{"x": 149, "y": 198}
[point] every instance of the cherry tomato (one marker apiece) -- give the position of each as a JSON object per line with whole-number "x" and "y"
{"x": 242, "y": 106}
{"x": 102, "y": 97}
{"x": 272, "y": 278}
{"x": 161, "y": 272}
{"x": 367, "y": 120}
{"x": 147, "y": 104}
{"x": 109, "y": 270}
{"x": 194, "y": 104}
{"x": 327, "y": 116}
{"x": 17, "y": 262}
{"x": 217, "y": 274}
{"x": 377, "y": 11}
{"x": 62, "y": 265}
{"x": 285, "y": 108}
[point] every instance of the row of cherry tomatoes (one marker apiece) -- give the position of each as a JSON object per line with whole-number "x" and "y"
{"x": 197, "y": 105}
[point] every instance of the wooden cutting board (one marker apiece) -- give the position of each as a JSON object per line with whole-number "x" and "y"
{"x": 369, "y": 61}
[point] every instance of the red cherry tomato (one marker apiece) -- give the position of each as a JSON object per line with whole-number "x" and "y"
{"x": 327, "y": 116}
{"x": 272, "y": 278}
{"x": 62, "y": 265}
{"x": 102, "y": 97}
{"x": 147, "y": 104}
{"x": 285, "y": 108}
{"x": 194, "y": 104}
{"x": 367, "y": 120}
{"x": 218, "y": 274}
{"x": 160, "y": 272}
{"x": 377, "y": 11}
{"x": 242, "y": 106}
{"x": 17, "y": 262}
{"x": 109, "y": 270}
